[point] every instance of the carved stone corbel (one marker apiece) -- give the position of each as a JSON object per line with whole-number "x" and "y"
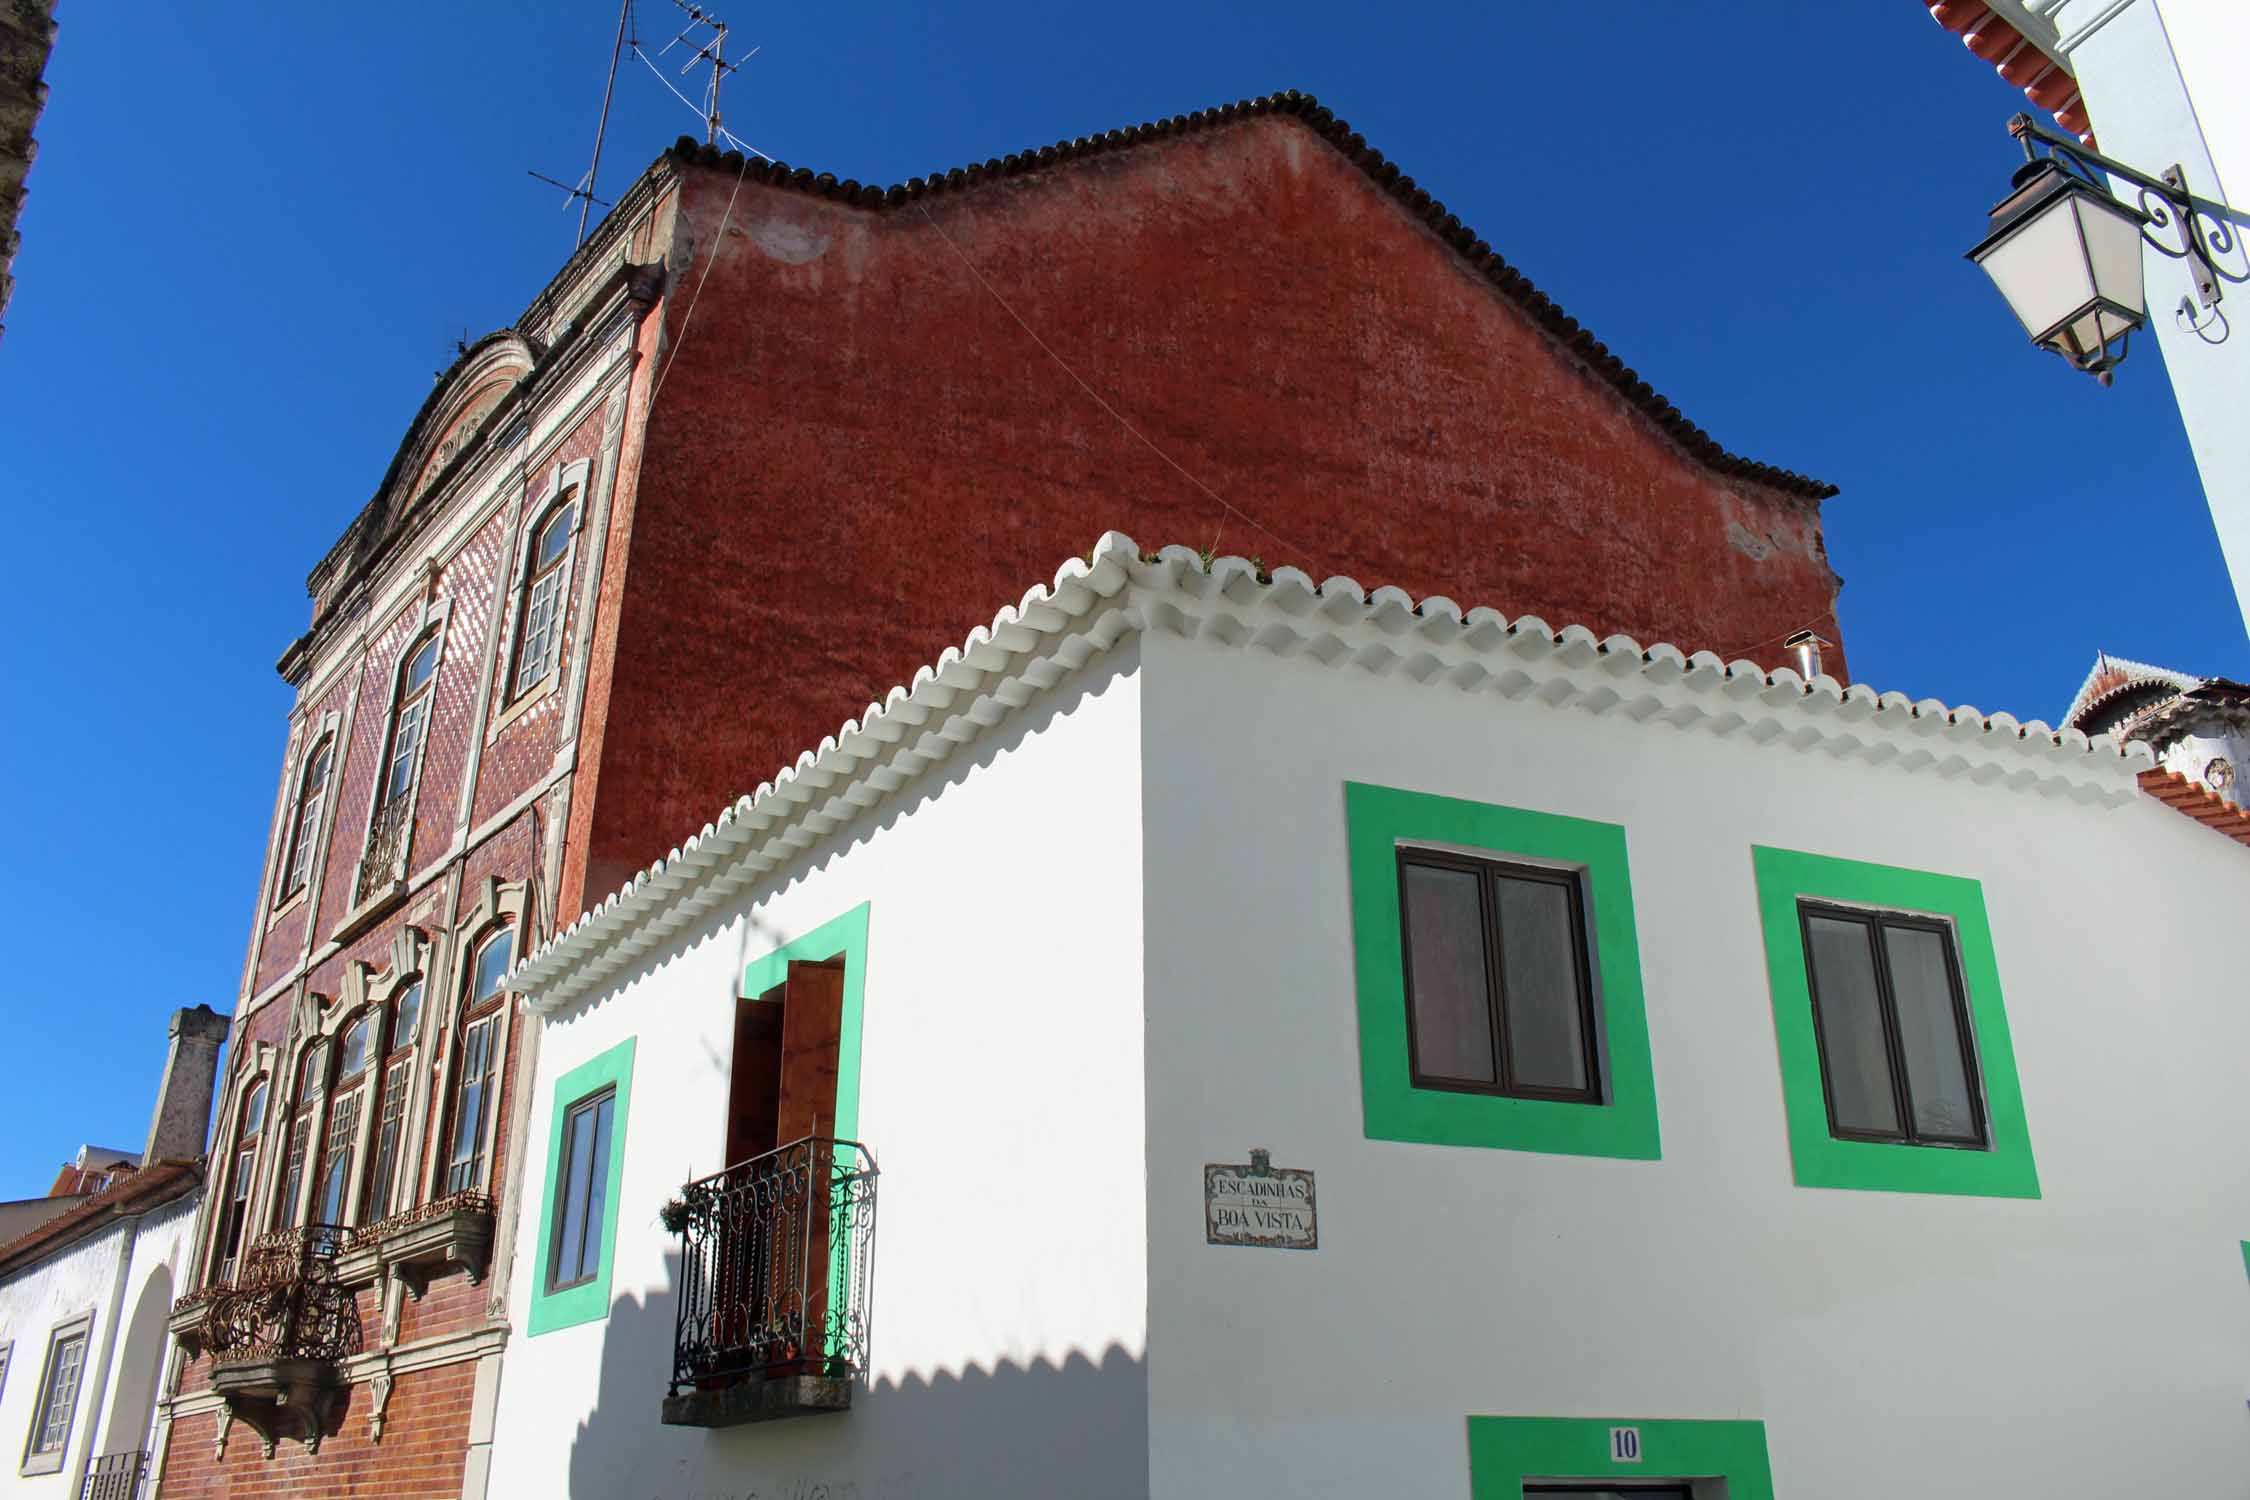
{"x": 379, "y": 1392}
{"x": 219, "y": 1443}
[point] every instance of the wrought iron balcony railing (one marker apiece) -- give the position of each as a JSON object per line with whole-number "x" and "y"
{"x": 116, "y": 1476}
{"x": 386, "y": 847}
{"x": 774, "y": 1273}
{"x": 287, "y": 1301}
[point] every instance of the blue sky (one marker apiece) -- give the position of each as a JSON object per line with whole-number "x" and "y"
{"x": 255, "y": 232}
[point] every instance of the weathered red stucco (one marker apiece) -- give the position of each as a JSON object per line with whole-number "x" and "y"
{"x": 858, "y": 453}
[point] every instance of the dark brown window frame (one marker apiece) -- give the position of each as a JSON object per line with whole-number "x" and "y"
{"x": 1489, "y": 869}
{"x": 304, "y": 831}
{"x": 1875, "y": 919}
{"x": 588, "y": 1232}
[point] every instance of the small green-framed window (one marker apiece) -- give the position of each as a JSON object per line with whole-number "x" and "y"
{"x": 1898, "y": 1073}
{"x": 1499, "y": 978}
{"x": 585, "y": 1171}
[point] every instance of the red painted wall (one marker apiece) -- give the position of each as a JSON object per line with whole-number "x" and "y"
{"x": 858, "y": 454}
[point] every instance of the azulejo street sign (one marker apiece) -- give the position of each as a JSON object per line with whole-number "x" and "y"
{"x": 1260, "y": 1204}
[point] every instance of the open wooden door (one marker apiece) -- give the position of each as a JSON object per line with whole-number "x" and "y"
{"x": 812, "y": 1024}
{"x": 771, "y": 1295}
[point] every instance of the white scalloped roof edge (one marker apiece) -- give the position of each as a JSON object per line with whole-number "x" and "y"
{"x": 1113, "y": 591}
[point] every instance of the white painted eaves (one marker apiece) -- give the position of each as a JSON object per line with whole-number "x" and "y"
{"x": 1095, "y": 601}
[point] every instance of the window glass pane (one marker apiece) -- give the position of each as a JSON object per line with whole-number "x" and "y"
{"x": 1929, "y": 1033}
{"x": 578, "y": 1153}
{"x": 393, "y": 1119}
{"x": 492, "y": 965}
{"x": 61, "y": 1395}
{"x": 308, "y": 1077}
{"x": 1851, "y": 1025}
{"x": 408, "y": 1017}
{"x": 1451, "y": 1009}
{"x": 353, "y": 1058}
{"x": 1539, "y": 985}
{"x": 419, "y": 669}
{"x": 254, "y": 1110}
{"x": 597, "y": 1187}
{"x": 555, "y": 540}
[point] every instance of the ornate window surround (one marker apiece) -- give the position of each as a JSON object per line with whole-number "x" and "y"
{"x": 567, "y": 484}
{"x": 430, "y": 623}
{"x": 366, "y": 992}
{"x": 259, "y": 1060}
{"x": 497, "y": 905}
{"x": 327, "y": 729}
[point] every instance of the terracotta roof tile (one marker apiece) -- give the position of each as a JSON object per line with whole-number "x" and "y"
{"x": 143, "y": 1190}
{"x": 2198, "y": 802}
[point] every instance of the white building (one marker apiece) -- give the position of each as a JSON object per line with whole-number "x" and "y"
{"x": 86, "y": 1298}
{"x": 1092, "y": 939}
{"x": 2158, "y": 83}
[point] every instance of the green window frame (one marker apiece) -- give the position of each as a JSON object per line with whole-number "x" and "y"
{"x": 2004, "y": 1166}
{"x": 1506, "y": 1452}
{"x": 584, "y": 1301}
{"x": 1378, "y": 820}
{"x": 842, "y": 937}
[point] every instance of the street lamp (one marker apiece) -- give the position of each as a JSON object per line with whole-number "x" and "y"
{"x": 2067, "y": 255}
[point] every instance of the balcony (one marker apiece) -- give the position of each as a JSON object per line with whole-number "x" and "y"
{"x": 191, "y": 1315}
{"x": 384, "y": 864}
{"x": 775, "y": 1261}
{"x": 116, "y": 1476}
{"x": 454, "y": 1233}
{"x": 280, "y": 1334}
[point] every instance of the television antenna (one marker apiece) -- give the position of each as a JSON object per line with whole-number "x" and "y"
{"x": 705, "y": 39}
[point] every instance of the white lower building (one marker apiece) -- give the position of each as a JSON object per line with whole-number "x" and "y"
{"x": 86, "y": 1299}
{"x": 1221, "y": 1035}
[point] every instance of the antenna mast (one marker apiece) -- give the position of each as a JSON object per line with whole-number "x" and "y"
{"x": 617, "y": 50}
{"x": 713, "y": 51}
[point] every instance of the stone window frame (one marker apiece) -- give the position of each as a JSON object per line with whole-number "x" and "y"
{"x": 431, "y": 619}
{"x": 498, "y": 904}
{"x": 258, "y": 1061}
{"x": 38, "y": 1461}
{"x": 568, "y": 484}
{"x": 328, "y": 729}
{"x": 414, "y": 956}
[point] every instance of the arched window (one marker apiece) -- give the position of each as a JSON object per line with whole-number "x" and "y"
{"x": 482, "y": 1018}
{"x": 405, "y": 1020}
{"x": 410, "y": 720}
{"x": 236, "y": 1218}
{"x": 300, "y": 1134}
{"x": 304, "y": 829}
{"x": 342, "y": 1139}
{"x": 547, "y": 575}
{"x": 390, "y": 829}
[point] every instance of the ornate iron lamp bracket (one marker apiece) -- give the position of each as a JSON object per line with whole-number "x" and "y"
{"x": 2205, "y": 229}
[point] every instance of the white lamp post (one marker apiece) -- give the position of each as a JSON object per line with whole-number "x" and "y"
{"x": 2067, "y": 255}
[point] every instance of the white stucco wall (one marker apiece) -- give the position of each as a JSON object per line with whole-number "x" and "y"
{"x": 1001, "y": 1095}
{"x": 115, "y": 1406}
{"x": 2163, "y": 86}
{"x": 2086, "y": 1343}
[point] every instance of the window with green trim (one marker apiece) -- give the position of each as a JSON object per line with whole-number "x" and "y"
{"x": 1499, "y": 978}
{"x": 1891, "y": 1029}
{"x": 593, "y": 1105}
